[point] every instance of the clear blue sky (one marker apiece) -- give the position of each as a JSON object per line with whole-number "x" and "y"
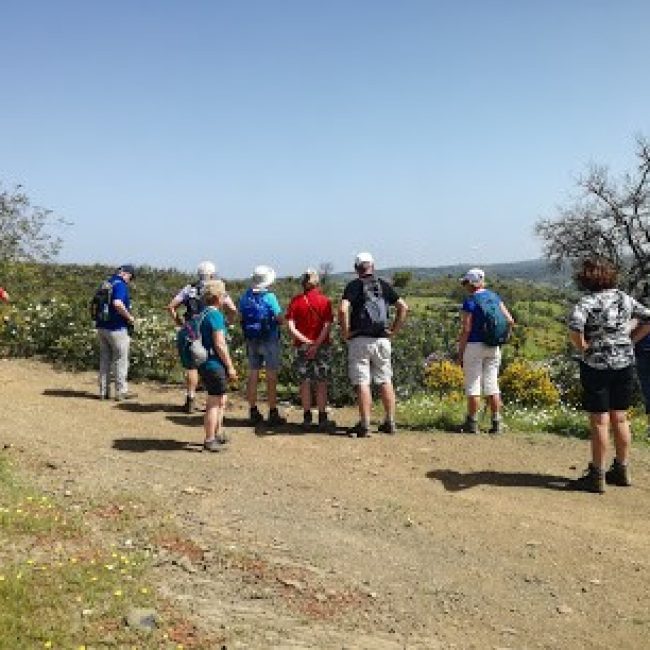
{"x": 295, "y": 132}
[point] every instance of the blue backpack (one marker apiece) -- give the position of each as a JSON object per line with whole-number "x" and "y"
{"x": 257, "y": 317}
{"x": 496, "y": 329}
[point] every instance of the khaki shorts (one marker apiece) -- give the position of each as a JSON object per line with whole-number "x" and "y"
{"x": 481, "y": 368}
{"x": 369, "y": 360}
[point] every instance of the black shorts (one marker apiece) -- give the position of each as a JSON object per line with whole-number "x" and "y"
{"x": 606, "y": 390}
{"x": 214, "y": 381}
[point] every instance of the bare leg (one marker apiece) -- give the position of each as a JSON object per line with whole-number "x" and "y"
{"x": 494, "y": 402}
{"x": 599, "y": 423}
{"x": 364, "y": 399}
{"x": 387, "y": 393}
{"x": 251, "y": 387}
{"x": 192, "y": 381}
{"x": 213, "y": 418}
{"x": 622, "y": 435}
{"x": 272, "y": 388}
{"x": 321, "y": 396}
{"x": 305, "y": 395}
{"x": 473, "y": 405}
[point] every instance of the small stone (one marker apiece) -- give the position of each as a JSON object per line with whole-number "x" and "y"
{"x": 564, "y": 609}
{"x": 142, "y": 619}
{"x": 67, "y": 493}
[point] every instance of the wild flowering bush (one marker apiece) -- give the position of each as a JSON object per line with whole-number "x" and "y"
{"x": 528, "y": 384}
{"x": 443, "y": 377}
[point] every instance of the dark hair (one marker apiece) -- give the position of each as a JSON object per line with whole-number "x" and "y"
{"x": 597, "y": 274}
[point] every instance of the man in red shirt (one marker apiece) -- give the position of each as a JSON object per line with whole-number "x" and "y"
{"x": 4, "y": 296}
{"x": 309, "y": 319}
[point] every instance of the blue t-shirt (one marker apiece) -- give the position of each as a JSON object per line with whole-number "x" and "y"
{"x": 213, "y": 321}
{"x": 271, "y": 300}
{"x": 478, "y": 320}
{"x": 120, "y": 292}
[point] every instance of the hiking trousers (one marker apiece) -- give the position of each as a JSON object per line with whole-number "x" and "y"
{"x": 113, "y": 358}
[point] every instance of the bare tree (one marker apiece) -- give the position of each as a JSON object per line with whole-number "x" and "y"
{"x": 610, "y": 218}
{"x": 25, "y": 230}
{"x": 325, "y": 271}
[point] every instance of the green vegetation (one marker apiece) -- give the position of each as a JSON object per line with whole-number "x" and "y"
{"x": 49, "y": 319}
{"x": 64, "y": 587}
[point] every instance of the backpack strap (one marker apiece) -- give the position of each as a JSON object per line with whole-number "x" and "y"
{"x": 313, "y": 311}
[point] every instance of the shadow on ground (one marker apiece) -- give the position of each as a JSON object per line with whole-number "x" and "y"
{"x": 141, "y": 445}
{"x": 454, "y": 481}
{"x": 69, "y": 392}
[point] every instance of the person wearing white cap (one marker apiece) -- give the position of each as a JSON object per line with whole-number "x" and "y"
{"x": 261, "y": 317}
{"x": 190, "y": 299}
{"x": 478, "y": 354}
{"x": 364, "y": 321}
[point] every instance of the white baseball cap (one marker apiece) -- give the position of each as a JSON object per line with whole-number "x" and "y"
{"x": 363, "y": 258}
{"x": 474, "y": 276}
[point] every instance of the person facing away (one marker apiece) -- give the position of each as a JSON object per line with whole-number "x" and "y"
{"x": 364, "y": 321}
{"x": 599, "y": 328}
{"x": 4, "y": 296}
{"x": 218, "y": 369}
{"x": 309, "y": 321}
{"x": 190, "y": 299}
{"x": 114, "y": 337}
{"x": 261, "y": 317}
{"x": 480, "y": 361}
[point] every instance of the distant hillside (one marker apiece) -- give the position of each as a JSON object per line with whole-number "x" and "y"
{"x": 528, "y": 270}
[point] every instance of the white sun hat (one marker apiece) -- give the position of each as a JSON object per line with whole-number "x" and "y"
{"x": 263, "y": 277}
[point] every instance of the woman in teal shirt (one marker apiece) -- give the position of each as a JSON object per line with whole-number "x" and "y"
{"x": 218, "y": 369}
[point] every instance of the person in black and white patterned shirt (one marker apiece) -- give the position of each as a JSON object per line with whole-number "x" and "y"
{"x": 600, "y": 328}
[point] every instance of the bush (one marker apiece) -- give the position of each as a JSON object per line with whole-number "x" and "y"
{"x": 528, "y": 384}
{"x": 443, "y": 377}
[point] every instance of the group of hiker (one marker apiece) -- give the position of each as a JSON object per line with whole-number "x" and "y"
{"x": 369, "y": 314}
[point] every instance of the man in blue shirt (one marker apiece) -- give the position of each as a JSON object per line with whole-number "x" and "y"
{"x": 113, "y": 333}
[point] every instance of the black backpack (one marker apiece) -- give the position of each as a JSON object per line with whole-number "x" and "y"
{"x": 372, "y": 316}
{"x": 193, "y": 303}
{"x": 100, "y": 304}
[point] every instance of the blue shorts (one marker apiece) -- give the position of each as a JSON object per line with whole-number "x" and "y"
{"x": 263, "y": 353}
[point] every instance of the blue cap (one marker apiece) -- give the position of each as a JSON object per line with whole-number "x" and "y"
{"x": 128, "y": 268}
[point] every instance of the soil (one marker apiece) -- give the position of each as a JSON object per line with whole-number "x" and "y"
{"x": 290, "y": 540}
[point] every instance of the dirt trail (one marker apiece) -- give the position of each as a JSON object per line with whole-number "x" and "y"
{"x": 311, "y": 541}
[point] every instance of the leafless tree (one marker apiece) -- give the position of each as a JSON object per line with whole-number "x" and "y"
{"x": 25, "y": 230}
{"x": 610, "y": 218}
{"x": 325, "y": 271}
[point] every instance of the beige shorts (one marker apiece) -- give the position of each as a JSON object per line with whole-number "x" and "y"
{"x": 481, "y": 369}
{"x": 369, "y": 359}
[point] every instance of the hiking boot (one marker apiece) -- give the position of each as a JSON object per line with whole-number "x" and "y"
{"x": 618, "y": 474}
{"x": 189, "y": 404}
{"x": 119, "y": 397}
{"x": 495, "y": 429}
{"x": 593, "y": 480}
{"x": 387, "y": 426}
{"x": 212, "y": 445}
{"x": 359, "y": 430}
{"x": 469, "y": 426}
{"x": 326, "y": 425}
{"x": 275, "y": 419}
{"x": 255, "y": 417}
{"x": 306, "y": 421}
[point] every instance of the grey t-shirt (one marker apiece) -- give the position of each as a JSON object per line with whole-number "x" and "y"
{"x": 604, "y": 317}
